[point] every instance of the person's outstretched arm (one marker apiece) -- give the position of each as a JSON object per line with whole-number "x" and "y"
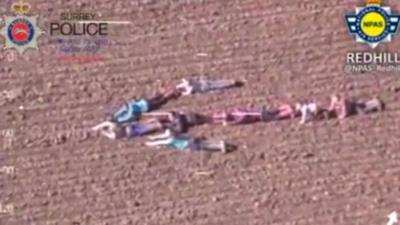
{"x": 159, "y": 142}
{"x": 110, "y": 134}
{"x": 188, "y": 90}
{"x": 343, "y": 109}
{"x": 332, "y": 105}
{"x": 125, "y": 113}
{"x": 103, "y": 125}
{"x": 186, "y": 86}
{"x": 304, "y": 115}
{"x": 166, "y": 134}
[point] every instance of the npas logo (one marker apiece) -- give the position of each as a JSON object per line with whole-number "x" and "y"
{"x": 21, "y": 31}
{"x": 373, "y": 23}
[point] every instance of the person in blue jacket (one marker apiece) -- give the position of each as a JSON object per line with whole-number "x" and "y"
{"x": 132, "y": 110}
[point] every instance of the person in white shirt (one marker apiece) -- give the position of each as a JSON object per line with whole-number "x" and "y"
{"x": 308, "y": 111}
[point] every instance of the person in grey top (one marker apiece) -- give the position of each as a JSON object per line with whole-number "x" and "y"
{"x": 342, "y": 107}
{"x": 188, "y": 87}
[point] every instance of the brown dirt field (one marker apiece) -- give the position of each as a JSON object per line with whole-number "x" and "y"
{"x": 328, "y": 172}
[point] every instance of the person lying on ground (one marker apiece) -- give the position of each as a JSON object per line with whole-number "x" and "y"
{"x": 188, "y": 87}
{"x": 251, "y": 115}
{"x": 185, "y": 143}
{"x": 114, "y": 130}
{"x": 179, "y": 122}
{"x": 134, "y": 109}
{"x": 341, "y": 107}
{"x": 309, "y": 111}
{"x": 237, "y": 116}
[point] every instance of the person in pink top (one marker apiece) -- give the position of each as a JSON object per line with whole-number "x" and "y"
{"x": 236, "y": 116}
{"x": 245, "y": 115}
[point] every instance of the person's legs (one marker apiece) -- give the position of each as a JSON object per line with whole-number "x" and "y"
{"x": 211, "y": 85}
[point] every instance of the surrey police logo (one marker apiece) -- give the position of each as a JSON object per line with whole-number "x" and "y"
{"x": 373, "y": 23}
{"x": 21, "y": 31}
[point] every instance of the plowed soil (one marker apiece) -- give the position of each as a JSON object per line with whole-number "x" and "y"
{"x": 326, "y": 172}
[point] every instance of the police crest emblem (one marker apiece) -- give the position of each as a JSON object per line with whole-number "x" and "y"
{"x": 21, "y": 31}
